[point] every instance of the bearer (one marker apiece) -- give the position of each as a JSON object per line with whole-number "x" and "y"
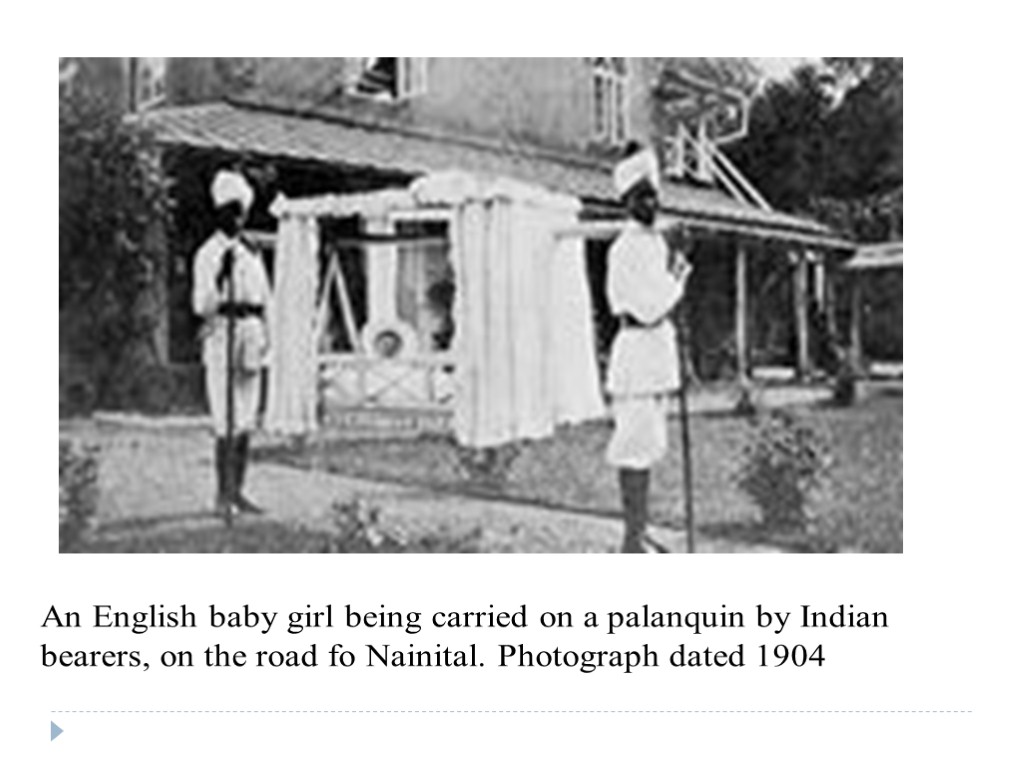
{"x": 231, "y": 289}
{"x": 645, "y": 283}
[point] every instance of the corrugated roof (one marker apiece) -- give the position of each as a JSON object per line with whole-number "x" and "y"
{"x": 268, "y": 133}
{"x": 884, "y": 256}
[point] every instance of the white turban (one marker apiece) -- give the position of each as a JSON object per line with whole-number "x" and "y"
{"x": 643, "y": 166}
{"x": 231, "y": 187}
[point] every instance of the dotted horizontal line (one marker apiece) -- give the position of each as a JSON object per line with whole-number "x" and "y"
{"x": 513, "y": 712}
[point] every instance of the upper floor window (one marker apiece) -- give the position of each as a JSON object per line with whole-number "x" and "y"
{"x": 610, "y": 99}
{"x": 147, "y": 79}
{"x": 394, "y": 78}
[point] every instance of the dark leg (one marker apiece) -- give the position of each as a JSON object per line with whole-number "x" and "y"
{"x": 635, "y": 485}
{"x": 225, "y": 471}
{"x": 241, "y": 461}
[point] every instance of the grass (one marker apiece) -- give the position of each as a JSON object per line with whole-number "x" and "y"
{"x": 355, "y": 532}
{"x": 859, "y": 508}
{"x": 254, "y": 537}
{"x": 263, "y": 537}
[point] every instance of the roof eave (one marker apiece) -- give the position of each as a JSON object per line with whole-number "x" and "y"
{"x": 744, "y": 222}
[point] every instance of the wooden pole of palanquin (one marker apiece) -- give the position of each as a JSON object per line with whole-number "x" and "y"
{"x": 683, "y": 336}
{"x": 684, "y": 421}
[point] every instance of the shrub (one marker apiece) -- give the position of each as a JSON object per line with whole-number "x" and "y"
{"x": 784, "y": 463}
{"x": 358, "y": 530}
{"x": 745, "y": 405}
{"x": 844, "y": 392}
{"x": 77, "y": 395}
{"x": 158, "y": 389}
{"x": 487, "y": 468}
{"x": 114, "y": 209}
{"x": 79, "y": 493}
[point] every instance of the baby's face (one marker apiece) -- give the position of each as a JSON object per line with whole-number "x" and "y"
{"x": 388, "y": 345}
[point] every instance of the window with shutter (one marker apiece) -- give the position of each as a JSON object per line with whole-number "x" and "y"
{"x": 610, "y": 99}
{"x": 148, "y": 82}
{"x": 392, "y": 78}
{"x": 412, "y": 80}
{"x": 600, "y": 106}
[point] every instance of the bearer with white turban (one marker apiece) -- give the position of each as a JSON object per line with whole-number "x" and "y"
{"x": 231, "y": 286}
{"x": 645, "y": 283}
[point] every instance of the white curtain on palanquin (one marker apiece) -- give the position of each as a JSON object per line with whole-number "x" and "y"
{"x": 292, "y": 394}
{"x": 524, "y": 338}
{"x": 525, "y": 355}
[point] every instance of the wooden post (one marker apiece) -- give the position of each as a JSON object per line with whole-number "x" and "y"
{"x": 742, "y": 317}
{"x": 803, "y": 331}
{"x": 819, "y": 281}
{"x": 820, "y": 332}
{"x": 831, "y": 318}
{"x": 856, "y": 325}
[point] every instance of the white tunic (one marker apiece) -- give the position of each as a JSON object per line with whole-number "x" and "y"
{"x": 250, "y": 278}
{"x": 251, "y": 346}
{"x": 644, "y": 369}
{"x": 644, "y": 361}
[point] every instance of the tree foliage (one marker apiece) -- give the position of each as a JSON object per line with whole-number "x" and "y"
{"x": 786, "y": 151}
{"x": 867, "y": 126}
{"x": 829, "y": 141}
{"x": 113, "y": 203}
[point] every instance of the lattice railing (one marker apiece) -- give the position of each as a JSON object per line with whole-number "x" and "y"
{"x": 362, "y": 382}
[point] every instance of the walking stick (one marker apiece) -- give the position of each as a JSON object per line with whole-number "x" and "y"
{"x": 230, "y": 469}
{"x": 684, "y": 423}
{"x": 683, "y": 242}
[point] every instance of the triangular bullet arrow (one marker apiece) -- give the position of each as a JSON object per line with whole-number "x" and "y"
{"x": 55, "y": 730}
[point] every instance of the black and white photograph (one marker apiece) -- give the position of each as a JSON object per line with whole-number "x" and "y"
{"x": 481, "y": 305}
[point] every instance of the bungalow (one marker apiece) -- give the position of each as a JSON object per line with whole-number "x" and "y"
{"x": 308, "y": 128}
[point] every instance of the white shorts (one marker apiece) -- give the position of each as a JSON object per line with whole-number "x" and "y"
{"x": 246, "y": 396}
{"x": 640, "y": 439}
{"x": 246, "y": 389}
